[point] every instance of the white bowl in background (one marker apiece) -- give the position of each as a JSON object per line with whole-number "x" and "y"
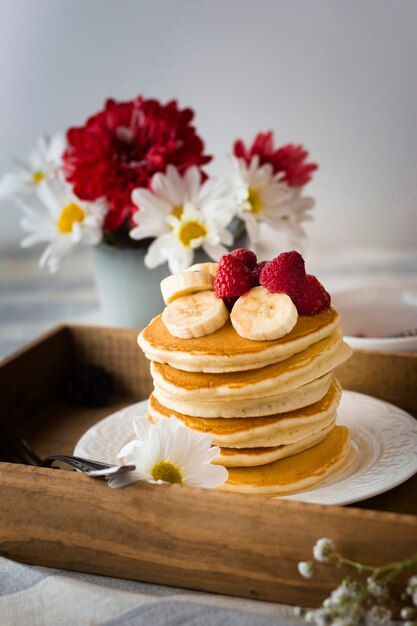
{"x": 370, "y": 314}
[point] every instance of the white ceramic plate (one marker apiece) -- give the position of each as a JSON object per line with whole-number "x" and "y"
{"x": 370, "y": 314}
{"x": 384, "y": 438}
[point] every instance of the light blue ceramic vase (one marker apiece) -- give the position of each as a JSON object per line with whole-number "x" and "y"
{"x": 129, "y": 292}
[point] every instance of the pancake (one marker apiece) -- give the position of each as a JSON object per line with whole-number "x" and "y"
{"x": 296, "y": 473}
{"x": 226, "y": 351}
{"x": 277, "y": 430}
{"x": 252, "y": 407}
{"x": 251, "y": 457}
{"x": 318, "y": 359}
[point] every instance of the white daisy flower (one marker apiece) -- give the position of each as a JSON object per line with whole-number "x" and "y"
{"x": 262, "y": 196}
{"x": 43, "y": 164}
{"x": 182, "y": 215}
{"x": 167, "y": 452}
{"x": 62, "y": 220}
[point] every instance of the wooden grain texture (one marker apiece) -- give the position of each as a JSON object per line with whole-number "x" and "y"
{"x": 59, "y": 425}
{"x": 389, "y": 376}
{"x": 117, "y": 351}
{"x": 32, "y": 376}
{"x": 229, "y": 543}
{"x": 222, "y": 542}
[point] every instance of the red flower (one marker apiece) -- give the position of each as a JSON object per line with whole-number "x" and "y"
{"x": 289, "y": 159}
{"x": 122, "y": 146}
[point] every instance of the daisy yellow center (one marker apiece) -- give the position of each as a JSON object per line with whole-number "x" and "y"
{"x": 190, "y": 231}
{"x": 37, "y": 177}
{"x": 166, "y": 471}
{"x": 70, "y": 214}
{"x": 177, "y": 211}
{"x": 254, "y": 201}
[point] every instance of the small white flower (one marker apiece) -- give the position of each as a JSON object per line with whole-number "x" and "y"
{"x": 346, "y": 591}
{"x": 379, "y": 615}
{"x": 167, "y": 452}
{"x": 182, "y": 214}
{"x": 306, "y": 569}
{"x": 375, "y": 588}
{"x": 263, "y": 197}
{"x": 43, "y": 164}
{"x": 407, "y": 612}
{"x": 309, "y": 616}
{"x": 298, "y": 611}
{"x": 321, "y": 617}
{"x": 323, "y": 549}
{"x": 62, "y": 220}
{"x": 412, "y": 585}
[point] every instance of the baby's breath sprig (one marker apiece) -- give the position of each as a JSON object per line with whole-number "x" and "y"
{"x": 366, "y": 600}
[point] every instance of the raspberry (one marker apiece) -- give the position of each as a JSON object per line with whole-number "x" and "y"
{"x": 247, "y": 257}
{"x": 257, "y": 270}
{"x": 284, "y": 274}
{"x": 312, "y": 297}
{"x": 232, "y": 278}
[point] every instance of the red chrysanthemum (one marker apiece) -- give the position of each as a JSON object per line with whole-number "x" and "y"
{"x": 290, "y": 159}
{"x": 123, "y": 146}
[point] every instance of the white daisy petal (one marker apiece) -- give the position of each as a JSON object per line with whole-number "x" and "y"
{"x": 129, "y": 448}
{"x": 183, "y": 215}
{"x": 156, "y": 254}
{"x": 179, "y": 259}
{"x": 170, "y": 186}
{"x": 169, "y": 452}
{"x": 33, "y": 239}
{"x": 262, "y": 196}
{"x": 149, "y": 224}
{"x": 45, "y": 255}
{"x": 37, "y": 157}
{"x": 252, "y": 227}
{"x": 123, "y": 480}
{"x": 56, "y": 148}
{"x": 63, "y": 220}
{"x": 49, "y": 199}
{"x": 43, "y": 163}
{"x": 192, "y": 179}
{"x": 209, "y": 477}
{"x": 142, "y": 426}
{"x": 145, "y": 200}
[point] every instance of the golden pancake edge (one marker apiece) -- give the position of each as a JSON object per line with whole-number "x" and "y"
{"x": 275, "y": 430}
{"x": 226, "y": 351}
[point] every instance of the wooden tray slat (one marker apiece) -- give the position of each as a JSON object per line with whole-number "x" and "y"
{"x": 228, "y": 543}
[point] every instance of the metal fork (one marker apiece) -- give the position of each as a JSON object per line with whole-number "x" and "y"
{"x": 19, "y": 451}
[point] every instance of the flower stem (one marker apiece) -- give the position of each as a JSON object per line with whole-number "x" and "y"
{"x": 398, "y": 566}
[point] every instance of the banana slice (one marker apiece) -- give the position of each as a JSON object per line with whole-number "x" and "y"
{"x": 196, "y": 315}
{"x": 183, "y": 284}
{"x": 211, "y": 268}
{"x": 261, "y": 315}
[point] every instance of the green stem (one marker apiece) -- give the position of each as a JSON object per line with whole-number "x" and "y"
{"x": 398, "y": 566}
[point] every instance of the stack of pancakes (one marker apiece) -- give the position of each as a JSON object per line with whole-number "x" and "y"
{"x": 269, "y": 405}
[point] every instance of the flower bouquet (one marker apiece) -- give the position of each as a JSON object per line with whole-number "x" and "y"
{"x": 132, "y": 178}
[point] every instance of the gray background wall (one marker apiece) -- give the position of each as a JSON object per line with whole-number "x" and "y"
{"x": 336, "y": 75}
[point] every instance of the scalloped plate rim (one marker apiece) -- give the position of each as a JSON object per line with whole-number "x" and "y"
{"x": 363, "y": 435}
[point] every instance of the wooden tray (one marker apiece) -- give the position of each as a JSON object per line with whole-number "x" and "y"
{"x": 228, "y": 543}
